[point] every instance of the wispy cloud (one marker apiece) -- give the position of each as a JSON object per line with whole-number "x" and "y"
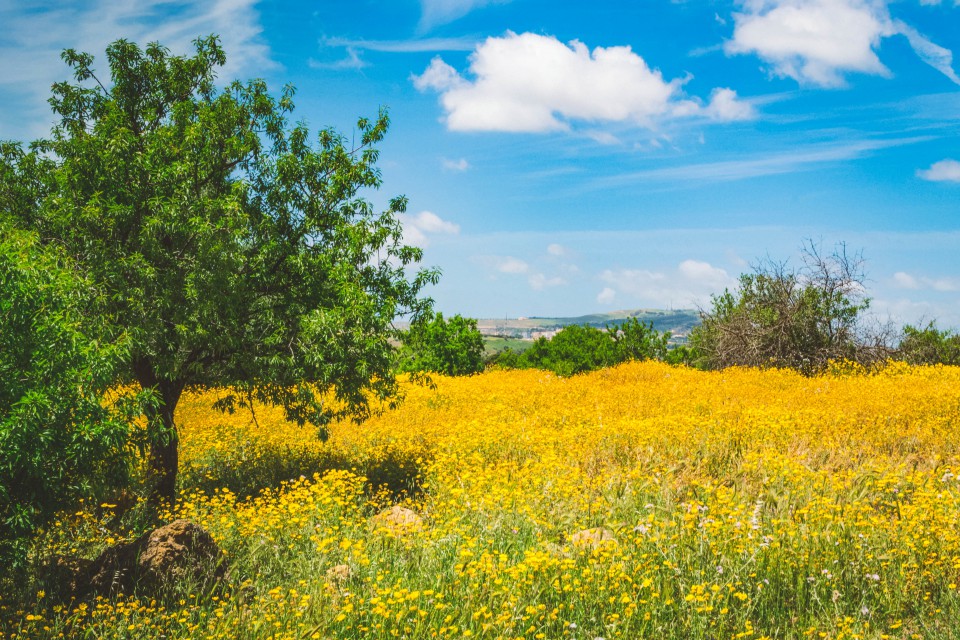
{"x": 455, "y": 165}
{"x": 417, "y": 45}
{"x": 793, "y": 160}
{"x": 438, "y": 12}
{"x": 33, "y": 35}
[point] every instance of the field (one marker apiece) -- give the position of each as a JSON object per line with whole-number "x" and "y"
{"x": 638, "y": 502}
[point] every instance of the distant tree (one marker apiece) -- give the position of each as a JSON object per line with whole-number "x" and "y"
{"x": 637, "y": 340}
{"x": 781, "y": 317}
{"x": 929, "y": 346}
{"x": 231, "y": 250}
{"x": 574, "y": 349}
{"x": 452, "y": 347}
{"x": 59, "y": 440}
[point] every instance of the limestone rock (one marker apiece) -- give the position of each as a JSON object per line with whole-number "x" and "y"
{"x": 589, "y": 539}
{"x": 398, "y": 519}
{"x": 165, "y": 557}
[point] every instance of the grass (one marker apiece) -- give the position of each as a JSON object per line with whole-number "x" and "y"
{"x": 736, "y": 504}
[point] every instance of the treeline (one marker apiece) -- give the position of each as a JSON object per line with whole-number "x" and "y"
{"x": 802, "y": 318}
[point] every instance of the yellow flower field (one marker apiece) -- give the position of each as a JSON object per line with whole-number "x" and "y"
{"x": 644, "y": 501}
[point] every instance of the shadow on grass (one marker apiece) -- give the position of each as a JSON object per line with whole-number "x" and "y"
{"x": 388, "y": 469}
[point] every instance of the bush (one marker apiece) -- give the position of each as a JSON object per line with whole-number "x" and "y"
{"x": 929, "y": 346}
{"x": 59, "y": 442}
{"x": 452, "y": 347}
{"x": 579, "y": 348}
{"x": 800, "y": 319}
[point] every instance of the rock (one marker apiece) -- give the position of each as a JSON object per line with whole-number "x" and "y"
{"x": 339, "y": 574}
{"x": 165, "y": 557}
{"x": 398, "y": 519}
{"x": 590, "y": 539}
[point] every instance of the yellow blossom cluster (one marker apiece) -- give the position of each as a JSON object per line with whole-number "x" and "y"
{"x": 640, "y": 501}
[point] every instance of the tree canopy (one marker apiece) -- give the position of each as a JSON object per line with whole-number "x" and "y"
{"x": 231, "y": 249}
{"x": 453, "y": 346}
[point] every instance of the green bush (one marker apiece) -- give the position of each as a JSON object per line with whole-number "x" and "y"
{"x": 579, "y": 348}
{"x": 452, "y": 347}
{"x": 59, "y": 441}
{"x": 929, "y": 346}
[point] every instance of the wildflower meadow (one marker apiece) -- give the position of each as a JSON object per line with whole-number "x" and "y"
{"x": 643, "y": 501}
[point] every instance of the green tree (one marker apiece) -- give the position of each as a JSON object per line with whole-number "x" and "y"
{"x": 635, "y": 340}
{"x": 59, "y": 441}
{"x": 228, "y": 247}
{"x": 453, "y": 347}
{"x": 795, "y": 318}
{"x": 929, "y": 345}
{"x": 572, "y": 350}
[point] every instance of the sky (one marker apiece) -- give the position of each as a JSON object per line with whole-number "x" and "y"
{"x": 565, "y": 158}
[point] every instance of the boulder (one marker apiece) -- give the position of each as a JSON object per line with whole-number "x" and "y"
{"x": 398, "y": 520}
{"x": 178, "y": 552}
{"x": 590, "y": 539}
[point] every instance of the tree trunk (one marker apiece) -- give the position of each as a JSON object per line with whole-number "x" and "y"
{"x": 164, "y": 461}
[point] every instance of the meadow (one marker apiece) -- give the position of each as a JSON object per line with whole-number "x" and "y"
{"x": 643, "y": 501}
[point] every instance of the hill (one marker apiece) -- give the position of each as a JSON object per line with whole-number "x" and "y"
{"x": 678, "y": 322}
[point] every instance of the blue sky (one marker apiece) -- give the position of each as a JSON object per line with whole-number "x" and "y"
{"x": 564, "y": 158}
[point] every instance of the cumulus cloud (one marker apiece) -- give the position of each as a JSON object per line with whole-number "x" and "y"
{"x": 607, "y": 296}
{"x": 557, "y": 250}
{"x": 818, "y": 41}
{"x": 690, "y": 284}
{"x": 534, "y": 83}
{"x": 903, "y": 280}
{"x": 943, "y": 171}
{"x": 418, "y": 228}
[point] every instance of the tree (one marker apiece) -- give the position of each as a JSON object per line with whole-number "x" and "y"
{"x": 230, "y": 249}
{"x": 59, "y": 440}
{"x": 572, "y": 350}
{"x": 452, "y": 347}
{"x": 929, "y": 345}
{"x": 637, "y": 340}
{"x": 797, "y": 318}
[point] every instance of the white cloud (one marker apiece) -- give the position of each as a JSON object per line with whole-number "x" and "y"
{"x": 813, "y": 41}
{"x": 818, "y": 41}
{"x": 438, "y": 12}
{"x": 690, "y": 284}
{"x": 455, "y": 165}
{"x": 31, "y": 42}
{"x": 418, "y": 228}
{"x": 904, "y": 280}
{"x": 539, "y": 281}
{"x": 509, "y": 264}
{"x": 607, "y": 296}
{"x": 557, "y": 250}
{"x": 933, "y": 54}
{"x": 417, "y": 45}
{"x": 535, "y": 83}
{"x": 799, "y": 158}
{"x": 943, "y": 171}
{"x": 725, "y": 106}
{"x": 704, "y": 273}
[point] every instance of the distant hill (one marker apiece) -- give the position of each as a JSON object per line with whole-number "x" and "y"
{"x": 678, "y": 322}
